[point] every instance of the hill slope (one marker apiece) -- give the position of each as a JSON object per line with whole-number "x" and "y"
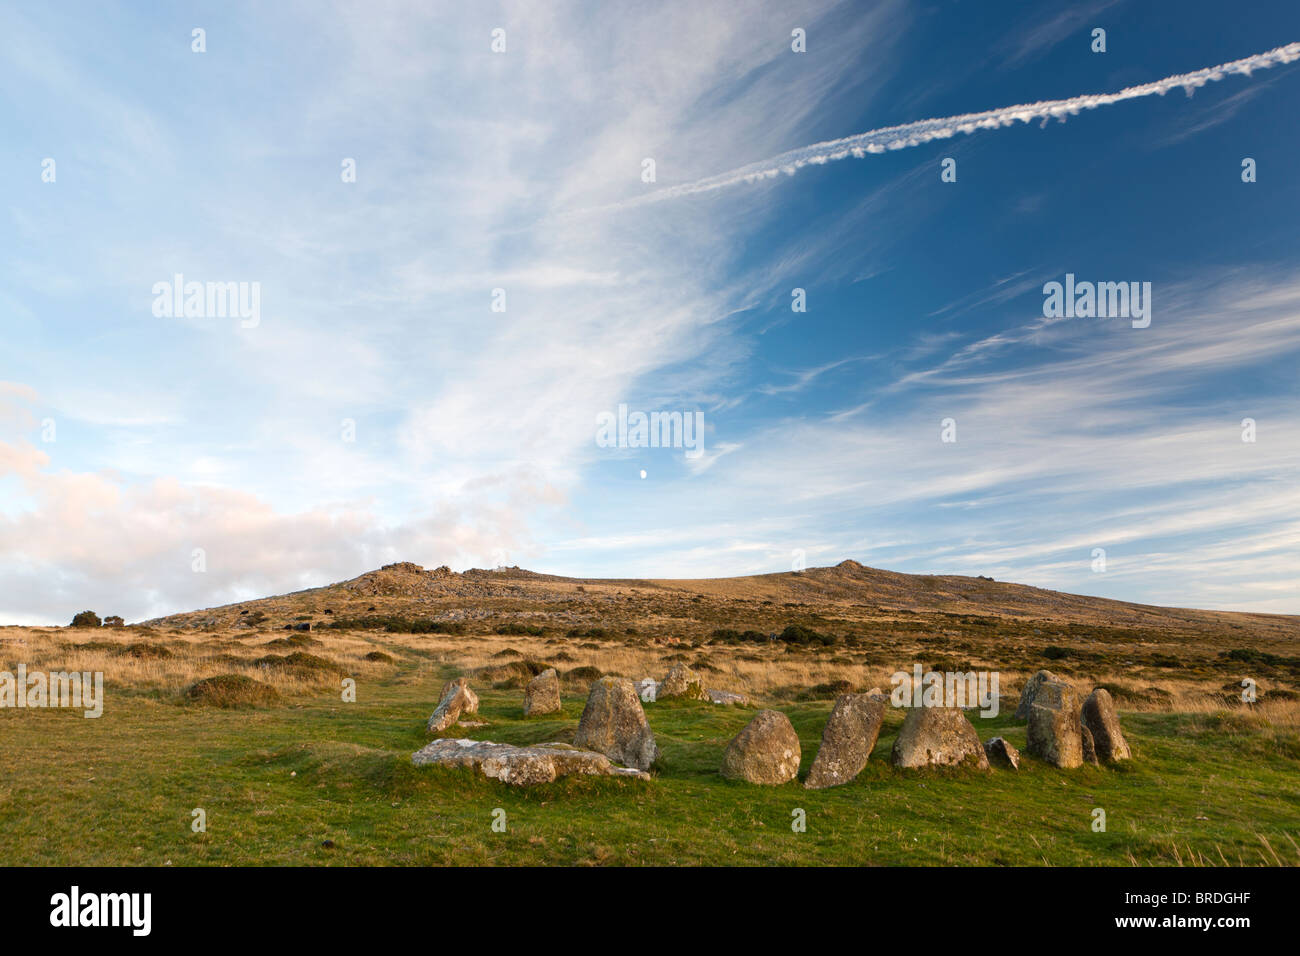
{"x": 849, "y": 594}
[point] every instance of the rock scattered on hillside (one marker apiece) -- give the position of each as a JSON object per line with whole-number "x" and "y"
{"x": 520, "y": 766}
{"x": 402, "y": 579}
{"x": 542, "y": 695}
{"x": 766, "y": 751}
{"x": 1100, "y": 717}
{"x": 456, "y": 699}
{"x": 847, "y": 740}
{"x": 614, "y": 724}
{"x": 938, "y": 737}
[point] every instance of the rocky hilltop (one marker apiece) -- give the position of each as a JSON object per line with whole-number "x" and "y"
{"x": 848, "y": 598}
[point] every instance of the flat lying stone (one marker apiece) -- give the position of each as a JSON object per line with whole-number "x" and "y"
{"x": 726, "y": 697}
{"x": 521, "y": 766}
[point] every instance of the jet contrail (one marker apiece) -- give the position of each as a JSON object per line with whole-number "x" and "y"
{"x": 923, "y": 131}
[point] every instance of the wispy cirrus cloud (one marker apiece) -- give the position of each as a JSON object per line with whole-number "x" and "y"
{"x": 474, "y": 428}
{"x": 907, "y": 135}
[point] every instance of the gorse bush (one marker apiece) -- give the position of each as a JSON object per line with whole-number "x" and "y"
{"x": 726, "y": 635}
{"x": 145, "y": 651}
{"x": 798, "y": 634}
{"x": 395, "y": 624}
{"x": 301, "y": 664}
{"x": 1250, "y": 655}
{"x": 231, "y": 690}
{"x": 793, "y": 634}
{"x": 293, "y": 640}
{"x": 86, "y": 619}
{"x": 587, "y": 632}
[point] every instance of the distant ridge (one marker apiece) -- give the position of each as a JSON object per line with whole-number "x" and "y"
{"x": 406, "y": 588}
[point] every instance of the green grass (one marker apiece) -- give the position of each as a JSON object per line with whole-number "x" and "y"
{"x": 278, "y": 782}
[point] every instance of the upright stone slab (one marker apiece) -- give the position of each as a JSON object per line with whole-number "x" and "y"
{"x": 1002, "y": 753}
{"x": 1030, "y": 691}
{"x": 614, "y": 724}
{"x": 766, "y": 751}
{"x": 1055, "y": 730}
{"x": 456, "y": 698}
{"x": 1089, "y": 748}
{"x": 847, "y": 740}
{"x": 1101, "y": 718}
{"x": 682, "y": 682}
{"x": 937, "y": 737}
{"x": 542, "y": 695}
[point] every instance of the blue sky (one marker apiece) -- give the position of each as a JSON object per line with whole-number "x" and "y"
{"x": 475, "y": 431}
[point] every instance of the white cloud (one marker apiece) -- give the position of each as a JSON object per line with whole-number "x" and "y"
{"x": 915, "y": 133}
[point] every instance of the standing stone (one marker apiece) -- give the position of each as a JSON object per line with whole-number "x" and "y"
{"x": 1089, "y": 748}
{"x": 1030, "y": 691}
{"x": 456, "y": 699}
{"x": 542, "y": 695}
{"x": 648, "y": 689}
{"x": 1102, "y": 720}
{"x": 847, "y": 740}
{"x": 682, "y": 682}
{"x": 937, "y": 737}
{"x": 1055, "y": 730}
{"x": 766, "y": 751}
{"x": 614, "y": 724}
{"x": 1001, "y": 752}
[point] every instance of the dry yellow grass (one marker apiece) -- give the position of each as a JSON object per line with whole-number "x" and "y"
{"x": 764, "y": 672}
{"x": 192, "y": 657}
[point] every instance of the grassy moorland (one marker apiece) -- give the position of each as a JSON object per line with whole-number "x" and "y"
{"x": 303, "y": 777}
